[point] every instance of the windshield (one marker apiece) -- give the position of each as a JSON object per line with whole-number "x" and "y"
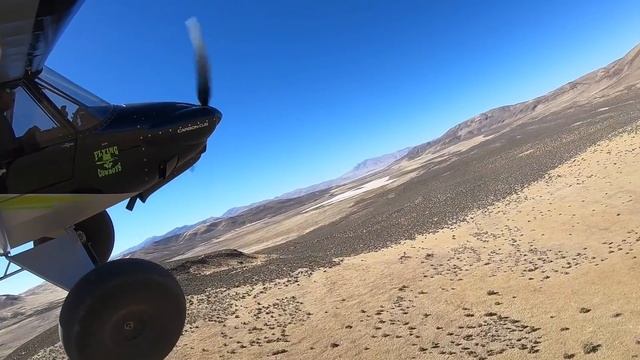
{"x": 77, "y": 105}
{"x": 57, "y": 81}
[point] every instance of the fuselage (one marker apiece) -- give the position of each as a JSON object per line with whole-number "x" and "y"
{"x": 93, "y": 158}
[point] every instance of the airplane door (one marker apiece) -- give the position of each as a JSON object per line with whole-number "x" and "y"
{"x": 43, "y": 152}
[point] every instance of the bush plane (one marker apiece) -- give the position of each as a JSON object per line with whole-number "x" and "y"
{"x": 66, "y": 156}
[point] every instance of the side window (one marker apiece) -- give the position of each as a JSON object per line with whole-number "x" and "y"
{"x": 71, "y": 111}
{"x": 26, "y": 115}
{"x": 28, "y": 127}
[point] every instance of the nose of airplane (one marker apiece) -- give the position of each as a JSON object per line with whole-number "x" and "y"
{"x": 217, "y": 115}
{"x": 163, "y": 116}
{"x": 197, "y": 122}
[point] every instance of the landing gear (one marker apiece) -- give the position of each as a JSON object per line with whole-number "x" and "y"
{"x": 96, "y": 235}
{"x": 126, "y": 309}
{"x": 123, "y": 309}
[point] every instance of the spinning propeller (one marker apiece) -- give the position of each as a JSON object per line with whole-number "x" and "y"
{"x": 202, "y": 62}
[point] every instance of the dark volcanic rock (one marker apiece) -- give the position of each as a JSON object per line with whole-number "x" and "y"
{"x": 216, "y": 258}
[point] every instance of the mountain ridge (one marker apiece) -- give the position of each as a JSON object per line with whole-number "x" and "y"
{"x": 614, "y": 77}
{"x": 610, "y": 77}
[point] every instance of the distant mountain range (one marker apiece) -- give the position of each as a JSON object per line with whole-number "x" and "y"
{"x": 363, "y": 168}
{"x": 177, "y": 231}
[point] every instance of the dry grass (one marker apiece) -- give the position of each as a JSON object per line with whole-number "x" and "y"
{"x": 548, "y": 273}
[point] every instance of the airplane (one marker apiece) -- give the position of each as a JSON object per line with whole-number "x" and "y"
{"x": 66, "y": 156}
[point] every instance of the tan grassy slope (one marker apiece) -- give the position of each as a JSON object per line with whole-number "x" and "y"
{"x": 551, "y": 272}
{"x": 36, "y": 311}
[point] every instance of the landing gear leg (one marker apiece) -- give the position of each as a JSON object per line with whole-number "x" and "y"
{"x": 124, "y": 309}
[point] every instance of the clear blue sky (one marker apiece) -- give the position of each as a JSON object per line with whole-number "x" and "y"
{"x": 310, "y": 88}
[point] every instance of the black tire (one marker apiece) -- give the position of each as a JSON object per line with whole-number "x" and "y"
{"x": 99, "y": 236}
{"x": 124, "y": 309}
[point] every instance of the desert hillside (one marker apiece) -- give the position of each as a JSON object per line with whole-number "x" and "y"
{"x": 550, "y": 271}
{"x": 611, "y": 80}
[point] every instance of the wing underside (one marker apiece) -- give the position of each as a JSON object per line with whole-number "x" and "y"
{"x": 29, "y": 30}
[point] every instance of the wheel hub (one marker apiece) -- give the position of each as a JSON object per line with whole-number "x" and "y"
{"x": 130, "y": 326}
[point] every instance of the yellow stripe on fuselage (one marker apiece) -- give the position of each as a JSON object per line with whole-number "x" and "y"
{"x": 36, "y": 201}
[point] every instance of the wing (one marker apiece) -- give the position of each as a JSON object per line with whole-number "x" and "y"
{"x": 29, "y": 30}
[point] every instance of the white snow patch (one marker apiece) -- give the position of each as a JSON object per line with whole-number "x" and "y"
{"x": 525, "y": 153}
{"x": 357, "y": 191}
{"x": 603, "y": 109}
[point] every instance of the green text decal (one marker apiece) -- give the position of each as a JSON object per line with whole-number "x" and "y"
{"x": 107, "y": 161}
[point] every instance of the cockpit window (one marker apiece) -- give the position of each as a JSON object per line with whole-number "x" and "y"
{"x": 57, "y": 81}
{"x": 71, "y": 111}
{"x": 74, "y": 103}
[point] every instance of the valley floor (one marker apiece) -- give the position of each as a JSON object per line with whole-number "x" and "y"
{"x": 550, "y": 272}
